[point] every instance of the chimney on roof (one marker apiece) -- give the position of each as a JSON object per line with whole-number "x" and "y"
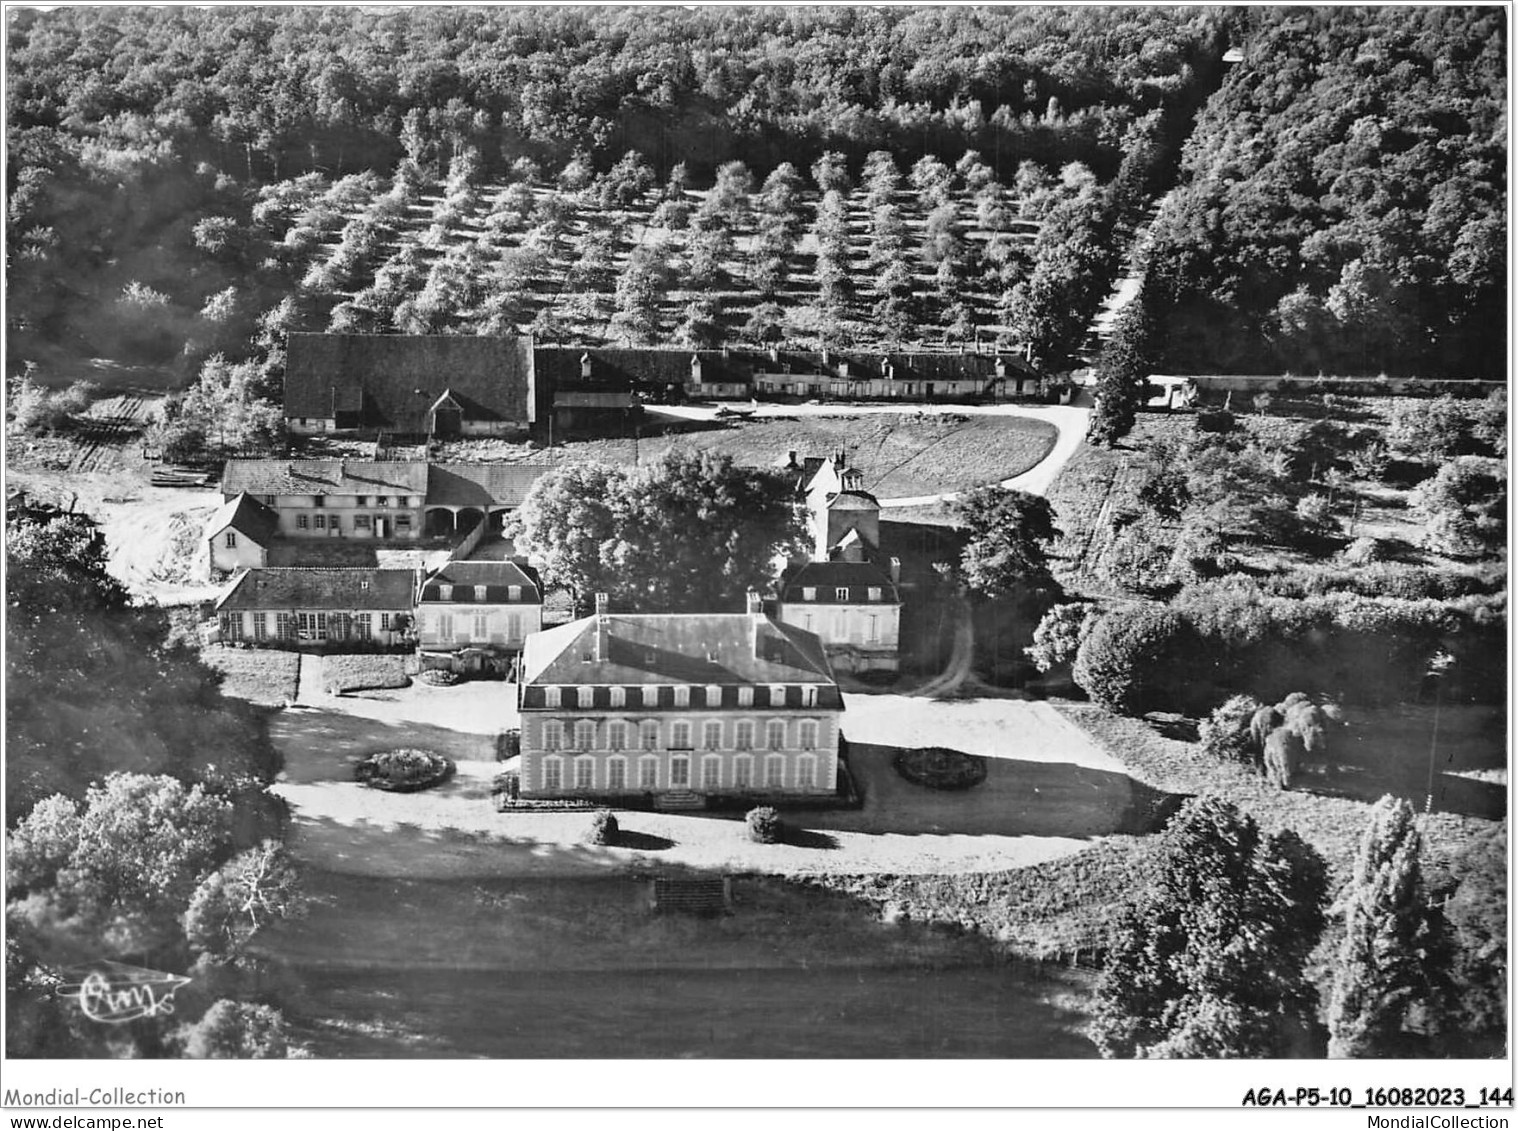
{"x": 774, "y": 355}
{"x": 790, "y": 458}
{"x": 827, "y": 356}
{"x": 603, "y": 628}
{"x": 755, "y": 619}
{"x": 885, "y": 364}
{"x": 585, "y": 367}
{"x": 695, "y": 368}
{"x": 895, "y": 571}
{"x": 1001, "y": 367}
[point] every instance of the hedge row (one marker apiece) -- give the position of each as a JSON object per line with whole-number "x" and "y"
{"x": 1224, "y": 638}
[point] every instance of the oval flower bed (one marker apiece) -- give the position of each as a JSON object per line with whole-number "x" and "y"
{"x": 404, "y": 771}
{"x": 938, "y": 768}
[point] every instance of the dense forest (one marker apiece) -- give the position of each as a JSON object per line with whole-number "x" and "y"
{"x": 1343, "y": 200}
{"x": 187, "y": 181}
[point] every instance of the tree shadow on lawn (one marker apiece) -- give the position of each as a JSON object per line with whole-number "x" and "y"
{"x": 643, "y": 842}
{"x": 405, "y": 849}
{"x": 317, "y": 745}
{"x": 1018, "y": 798}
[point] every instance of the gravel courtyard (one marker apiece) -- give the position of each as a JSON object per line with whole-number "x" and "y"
{"x": 1049, "y": 791}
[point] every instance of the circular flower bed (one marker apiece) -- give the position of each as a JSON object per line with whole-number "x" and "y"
{"x": 403, "y": 771}
{"x": 938, "y": 768}
{"x": 439, "y": 677}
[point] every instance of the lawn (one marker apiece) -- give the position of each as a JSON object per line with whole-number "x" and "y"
{"x": 577, "y": 968}
{"x": 363, "y": 672}
{"x": 900, "y": 454}
{"x": 260, "y": 675}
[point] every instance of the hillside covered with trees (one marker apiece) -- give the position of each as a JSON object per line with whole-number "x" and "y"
{"x": 1343, "y": 199}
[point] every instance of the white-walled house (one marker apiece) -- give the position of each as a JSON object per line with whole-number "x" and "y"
{"x": 474, "y": 617}
{"x": 239, "y": 533}
{"x": 324, "y": 608}
{"x": 853, "y": 606}
{"x": 678, "y": 708}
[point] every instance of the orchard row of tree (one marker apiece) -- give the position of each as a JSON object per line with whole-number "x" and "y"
{"x": 1342, "y": 202}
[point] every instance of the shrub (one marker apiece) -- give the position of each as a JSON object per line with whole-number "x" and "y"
{"x": 764, "y": 825}
{"x": 938, "y": 768}
{"x": 403, "y": 771}
{"x": 439, "y": 677}
{"x": 1364, "y": 551}
{"x": 1125, "y": 662}
{"x": 1465, "y": 506}
{"x": 603, "y": 828}
{"x": 1059, "y": 635}
{"x": 1226, "y": 734}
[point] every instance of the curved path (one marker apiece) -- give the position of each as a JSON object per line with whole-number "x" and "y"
{"x": 1070, "y": 422}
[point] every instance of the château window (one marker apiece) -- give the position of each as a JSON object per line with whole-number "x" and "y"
{"x": 445, "y": 592}
{"x": 479, "y": 592}
{"x": 711, "y": 735}
{"x": 618, "y": 696}
{"x": 841, "y": 593}
{"x": 585, "y": 734}
{"x": 616, "y": 774}
{"x": 585, "y": 773}
{"x": 553, "y": 734}
{"x": 650, "y": 735}
{"x": 648, "y": 773}
{"x": 743, "y": 772}
{"x": 774, "y": 734}
{"x": 875, "y": 593}
{"x": 809, "y": 593}
{"x": 679, "y": 735}
{"x": 774, "y": 772}
{"x": 743, "y": 734}
{"x": 616, "y": 735}
{"x": 550, "y": 696}
{"x": 745, "y": 696}
{"x": 553, "y": 770}
{"x": 806, "y": 772}
{"x": 231, "y": 541}
{"x": 682, "y": 696}
{"x": 809, "y": 735}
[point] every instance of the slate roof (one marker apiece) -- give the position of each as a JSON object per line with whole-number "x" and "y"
{"x": 323, "y": 477}
{"x": 482, "y": 484}
{"x": 853, "y": 501}
{"x": 676, "y": 648}
{"x": 390, "y": 381}
{"x": 905, "y": 366}
{"x": 558, "y": 367}
{"x": 441, "y": 484}
{"x": 828, "y": 577}
{"x": 247, "y": 516}
{"x": 321, "y": 589}
{"x": 497, "y": 577}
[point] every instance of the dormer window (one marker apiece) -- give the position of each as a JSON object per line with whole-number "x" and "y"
{"x": 585, "y": 367}
{"x": 809, "y": 697}
{"x": 745, "y": 696}
{"x": 713, "y": 695}
{"x": 551, "y": 696}
{"x": 479, "y": 592}
{"x": 514, "y": 592}
{"x": 618, "y": 696}
{"x": 841, "y": 593}
{"x": 651, "y": 695}
{"x": 809, "y": 593}
{"x": 445, "y": 592}
{"x": 682, "y": 696}
{"x": 875, "y": 593}
{"x": 777, "y": 695}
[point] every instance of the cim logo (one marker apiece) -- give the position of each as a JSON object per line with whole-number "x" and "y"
{"x": 114, "y": 993}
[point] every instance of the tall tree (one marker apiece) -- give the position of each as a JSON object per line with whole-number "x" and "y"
{"x": 1208, "y": 960}
{"x": 1009, "y": 532}
{"x": 1395, "y": 960}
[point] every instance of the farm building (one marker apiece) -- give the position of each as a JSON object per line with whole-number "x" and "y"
{"x": 473, "y": 617}
{"x": 394, "y": 500}
{"x": 334, "y": 498}
{"x": 678, "y": 708}
{"x": 311, "y": 607}
{"x": 897, "y": 376}
{"x": 239, "y": 533}
{"x": 434, "y": 386}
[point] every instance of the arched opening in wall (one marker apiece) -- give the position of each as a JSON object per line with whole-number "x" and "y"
{"x": 438, "y": 523}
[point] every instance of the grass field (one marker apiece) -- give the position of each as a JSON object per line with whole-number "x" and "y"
{"x": 901, "y": 455}
{"x": 260, "y": 675}
{"x": 363, "y": 672}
